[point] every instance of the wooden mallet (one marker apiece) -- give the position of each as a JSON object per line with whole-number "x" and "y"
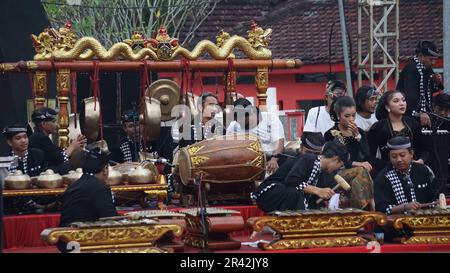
{"x": 341, "y": 183}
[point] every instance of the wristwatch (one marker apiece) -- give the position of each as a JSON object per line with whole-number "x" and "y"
{"x": 358, "y": 137}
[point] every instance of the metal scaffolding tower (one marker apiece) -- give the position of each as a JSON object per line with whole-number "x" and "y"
{"x": 380, "y": 41}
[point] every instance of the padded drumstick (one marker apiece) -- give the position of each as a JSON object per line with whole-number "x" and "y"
{"x": 341, "y": 183}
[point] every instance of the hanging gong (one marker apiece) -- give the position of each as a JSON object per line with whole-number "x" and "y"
{"x": 167, "y": 92}
{"x": 151, "y": 110}
{"x": 89, "y": 118}
{"x": 74, "y": 131}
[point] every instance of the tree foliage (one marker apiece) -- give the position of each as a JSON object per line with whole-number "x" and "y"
{"x": 112, "y": 21}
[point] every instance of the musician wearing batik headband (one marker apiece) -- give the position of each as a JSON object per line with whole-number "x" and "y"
{"x": 32, "y": 162}
{"x": 418, "y": 81}
{"x": 404, "y": 185}
{"x": 89, "y": 198}
{"x": 290, "y": 186}
{"x": 130, "y": 146}
{"x": 133, "y": 142}
{"x": 45, "y": 120}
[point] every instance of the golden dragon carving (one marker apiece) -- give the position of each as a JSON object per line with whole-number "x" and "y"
{"x": 162, "y": 47}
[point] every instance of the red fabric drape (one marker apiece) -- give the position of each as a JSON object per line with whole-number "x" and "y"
{"x": 95, "y": 87}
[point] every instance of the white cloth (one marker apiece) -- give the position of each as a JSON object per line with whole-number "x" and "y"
{"x": 334, "y": 201}
{"x": 318, "y": 123}
{"x": 365, "y": 123}
{"x": 268, "y": 131}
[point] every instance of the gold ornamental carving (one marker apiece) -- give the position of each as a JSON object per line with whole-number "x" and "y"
{"x": 98, "y": 237}
{"x": 317, "y": 228}
{"x": 198, "y": 160}
{"x": 193, "y": 150}
{"x": 133, "y": 250}
{"x": 258, "y": 162}
{"x": 317, "y": 224}
{"x": 60, "y": 46}
{"x": 52, "y": 40}
{"x": 62, "y": 88}
{"x": 255, "y": 147}
{"x": 422, "y": 222}
{"x": 258, "y": 37}
{"x": 156, "y": 189}
{"x": 314, "y": 243}
{"x": 39, "y": 88}
{"x": 432, "y": 228}
{"x": 427, "y": 240}
{"x": 262, "y": 83}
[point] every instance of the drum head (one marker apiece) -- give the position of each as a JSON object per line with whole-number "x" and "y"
{"x": 184, "y": 167}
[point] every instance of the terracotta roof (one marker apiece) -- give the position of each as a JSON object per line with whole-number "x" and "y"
{"x": 301, "y": 29}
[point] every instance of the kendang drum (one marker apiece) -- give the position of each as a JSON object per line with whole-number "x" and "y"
{"x": 229, "y": 165}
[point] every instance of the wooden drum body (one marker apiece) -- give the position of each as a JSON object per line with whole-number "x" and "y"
{"x": 222, "y": 160}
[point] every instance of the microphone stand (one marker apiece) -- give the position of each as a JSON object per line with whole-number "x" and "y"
{"x": 203, "y": 215}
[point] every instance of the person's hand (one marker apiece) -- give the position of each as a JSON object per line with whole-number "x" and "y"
{"x": 325, "y": 193}
{"x": 353, "y": 128}
{"x": 412, "y": 206}
{"x": 272, "y": 166}
{"x": 76, "y": 144}
{"x": 425, "y": 120}
{"x": 366, "y": 165}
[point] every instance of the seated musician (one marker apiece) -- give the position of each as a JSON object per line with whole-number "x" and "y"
{"x": 312, "y": 143}
{"x": 126, "y": 150}
{"x": 403, "y": 185}
{"x": 287, "y": 188}
{"x": 45, "y": 121}
{"x": 357, "y": 170}
{"x": 206, "y": 126}
{"x": 265, "y": 126}
{"x": 89, "y": 198}
{"x": 31, "y": 162}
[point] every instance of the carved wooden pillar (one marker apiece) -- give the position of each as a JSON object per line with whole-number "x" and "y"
{"x": 39, "y": 88}
{"x": 62, "y": 88}
{"x": 262, "y": 83}
{"x": 230, "y": 87}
